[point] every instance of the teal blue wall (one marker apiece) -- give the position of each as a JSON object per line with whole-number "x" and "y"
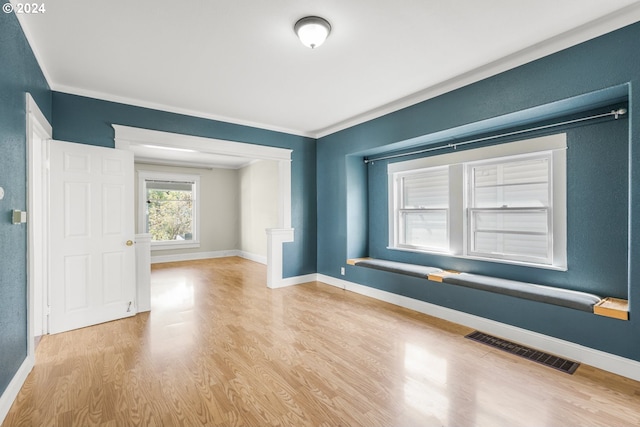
{"x": 88, "y": 121}
{"x": 603, "y": 189}
{"x": 19, "y": 74}
{"x": 594, "y": 146}
{"x": 338, "y": 204}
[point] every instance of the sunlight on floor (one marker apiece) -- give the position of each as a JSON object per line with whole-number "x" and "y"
{"x": 425, "y": 382}
{"x": 172, "y": 294}
{"x": 173, "y": 327}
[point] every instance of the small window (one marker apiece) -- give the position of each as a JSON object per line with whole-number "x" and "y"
{"x": 168, "y": 209}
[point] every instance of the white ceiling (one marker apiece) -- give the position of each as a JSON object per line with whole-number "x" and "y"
{"x": 240, "y": 61}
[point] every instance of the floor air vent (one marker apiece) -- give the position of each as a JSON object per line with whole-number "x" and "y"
{"x": 547, "y": 359}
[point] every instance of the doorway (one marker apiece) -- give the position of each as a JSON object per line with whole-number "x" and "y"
{"x": 150, "y": 144}
{"x": 38, "y": 133}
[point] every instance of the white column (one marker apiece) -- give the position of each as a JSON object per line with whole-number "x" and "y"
{"x": 143, "y": 272}
{"x": 275, "y": 238}
{"x": 284, "y": 208}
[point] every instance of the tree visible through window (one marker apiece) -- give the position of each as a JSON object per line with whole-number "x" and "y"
{"x": 170, "y": 213}
{"x": 169, "y": 208}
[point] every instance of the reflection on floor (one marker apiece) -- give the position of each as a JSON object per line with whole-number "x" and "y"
{"x": 220, "y": 348}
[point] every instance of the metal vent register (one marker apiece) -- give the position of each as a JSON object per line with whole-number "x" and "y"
{"x": 547, "y": 359}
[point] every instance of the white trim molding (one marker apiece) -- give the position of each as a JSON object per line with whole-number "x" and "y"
{"x": 603, "y": 25}
{"x": 599, "y": 359}
{"x": 127, "y": 137}
{"x": 11, "y": 392}
{"x": 296, "y": 280}
{"x": 38, "y": 133}
{"x": 38, "y": 116}
{"x": 190, "y": 256}
{"x": 276, "y": 237}
{"x": 145, "y": 176}
{"x": 253, "y": 257}
{"x": 611, "y": 22}
{"x": 596, "y": 358}
{"x": 35, "y": 122}
{"x": 143, "y": 272}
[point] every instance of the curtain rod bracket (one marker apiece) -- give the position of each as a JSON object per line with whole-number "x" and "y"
{"x": 619, "y": 112}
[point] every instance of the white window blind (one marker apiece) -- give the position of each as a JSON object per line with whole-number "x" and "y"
{"x": 510, "y": 212}
{"x": 424, "y": 209}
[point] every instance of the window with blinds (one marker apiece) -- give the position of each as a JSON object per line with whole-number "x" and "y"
{"x": 503, "y": 203}
{"x": 509, "y": 213}
{"x": 424, "y": 209}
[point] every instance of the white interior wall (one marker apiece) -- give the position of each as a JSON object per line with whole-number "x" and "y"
{"x": 219, "y": 208}
{"x": 259, "y": 189}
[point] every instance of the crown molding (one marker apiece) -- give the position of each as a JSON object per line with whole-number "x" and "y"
{"x": 34, "y": 48}
{"x": 606, "y": 24}
{"x": 70, "y": 90}
{"x": 611, "y": 22}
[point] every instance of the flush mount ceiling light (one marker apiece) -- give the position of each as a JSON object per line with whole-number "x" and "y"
{"x": 312, "y": 31}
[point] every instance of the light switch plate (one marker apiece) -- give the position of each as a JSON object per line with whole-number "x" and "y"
{"x": 19, "y": 217}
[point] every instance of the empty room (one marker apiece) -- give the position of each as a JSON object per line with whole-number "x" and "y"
{"x": 319, "y": 213}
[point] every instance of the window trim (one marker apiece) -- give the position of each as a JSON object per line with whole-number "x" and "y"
{"x": 459, "y": 196}
{"x": 146, "y": 175}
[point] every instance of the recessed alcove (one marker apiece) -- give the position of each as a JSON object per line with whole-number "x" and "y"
{"x": 597, "y": 204}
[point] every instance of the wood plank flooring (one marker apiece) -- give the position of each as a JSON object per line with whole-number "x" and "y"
{"x": 221, "y": 349}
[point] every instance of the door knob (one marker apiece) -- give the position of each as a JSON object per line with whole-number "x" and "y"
{"x": 129, "y": 242}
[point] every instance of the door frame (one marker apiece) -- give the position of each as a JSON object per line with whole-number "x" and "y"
{"x": 37, "y": 201}
{"x": 128, "y": 138}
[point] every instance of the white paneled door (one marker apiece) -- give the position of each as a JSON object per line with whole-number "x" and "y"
{"x": 92, "y": 234}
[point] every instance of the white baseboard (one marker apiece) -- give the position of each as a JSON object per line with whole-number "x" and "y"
{"x": 596, "y": 358}
{"x": 297, "y": 280}
{"x": 155, "y": 259}
{"x": 9, "y": 396}
{"x": 253, "y": 257}
{"x": 338, "y": 283}
{"x": 190, "y": 256}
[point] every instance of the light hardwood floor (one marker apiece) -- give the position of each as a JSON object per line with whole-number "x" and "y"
{"x": 220, "y": 349}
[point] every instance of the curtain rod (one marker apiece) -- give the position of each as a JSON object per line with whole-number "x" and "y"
{"x": 615, "y": 113}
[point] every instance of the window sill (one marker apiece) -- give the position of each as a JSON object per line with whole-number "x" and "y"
{"x": 477, "y": 258}
{"x": 164, "y": 246}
